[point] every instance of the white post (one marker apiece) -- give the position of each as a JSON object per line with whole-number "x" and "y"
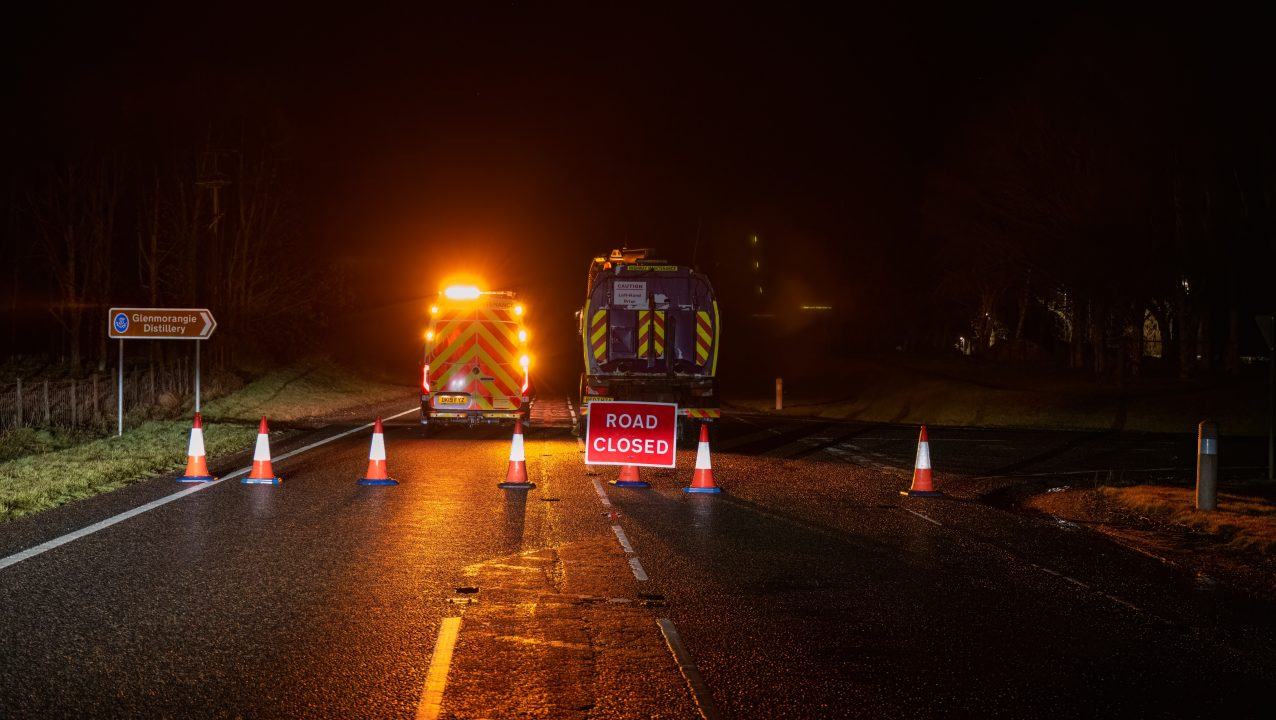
{"x": 119, "y": 394}
{"x": 197, "y": 376}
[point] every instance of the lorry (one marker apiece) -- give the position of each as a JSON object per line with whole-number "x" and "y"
{"x": 650, "y": 331}
{"x": 476, "y": 366}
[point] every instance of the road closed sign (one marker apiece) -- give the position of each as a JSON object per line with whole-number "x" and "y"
{"x": 631, "y": 433}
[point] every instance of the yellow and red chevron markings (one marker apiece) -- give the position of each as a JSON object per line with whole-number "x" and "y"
{"x": 598, "y": 335}
{"x": 704, "y": 337}
{"x": 488, "y": 335}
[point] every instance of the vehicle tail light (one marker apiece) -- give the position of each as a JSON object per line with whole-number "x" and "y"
{"x": 594, "y": 390}
{"x": 425, "y": 378}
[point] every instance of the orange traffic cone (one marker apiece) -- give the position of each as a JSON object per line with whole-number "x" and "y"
{"x": 376, "y": 474}
{"x": 262, "y": 473}
{"x": 629, "y": 478}
{"x": 196, "y": 463}
{"x": 923, "y": 485}
{"x": 516, "y": 475}
{"x": 702, "y": 480}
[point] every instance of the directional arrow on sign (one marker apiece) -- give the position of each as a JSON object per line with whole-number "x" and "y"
{"x": 209, "y": 324}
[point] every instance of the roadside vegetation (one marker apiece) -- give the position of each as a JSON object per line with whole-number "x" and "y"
{"x": 304, "y": 391}
{"x": 1245, "y": 522}
{"x": 41, "y": 468}
{"x": 959, "y": 393}
{"x": 55, "y": 477}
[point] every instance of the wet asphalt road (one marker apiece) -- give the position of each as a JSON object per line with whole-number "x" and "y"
{"x": 811, "y": 589}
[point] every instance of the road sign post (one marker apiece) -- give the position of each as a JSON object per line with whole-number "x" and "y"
{"x": 642, "y": 434}
{"x": 157, "y": 324}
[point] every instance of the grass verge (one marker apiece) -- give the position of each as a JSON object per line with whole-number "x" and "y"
{"x": 303, "y": 391}
{"x": 1242, "y": 521}
{"x": 38, "y": 482}
{"x": 957, "y": 393}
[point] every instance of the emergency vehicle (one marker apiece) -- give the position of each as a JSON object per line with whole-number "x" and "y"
{"x": 476, "y": 366}
{"x": 650, "y": 331}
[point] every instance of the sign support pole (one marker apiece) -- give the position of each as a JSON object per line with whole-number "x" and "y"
{"x": 197, "y": 375}
{"x": 119, "y": 393}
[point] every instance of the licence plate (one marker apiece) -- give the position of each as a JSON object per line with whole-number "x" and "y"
{"x": 452, "y": 400}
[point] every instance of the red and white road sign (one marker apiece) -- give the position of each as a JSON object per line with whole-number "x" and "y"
{"x": 631, "y": 433}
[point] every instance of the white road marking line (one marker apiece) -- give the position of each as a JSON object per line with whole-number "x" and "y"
{"x": 928, "y": 519}
{"x": 436, "y": 678}
{"x": 687, "y": 666}
{"x": 623, "y": 538}
{"x": 637, "y": 568}
{"x": 1056, "y": 573}
{"x": 56, "y": 542}
{"x": 602, "y": 494}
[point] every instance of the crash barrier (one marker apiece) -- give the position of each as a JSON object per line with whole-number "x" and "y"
{"x": 196, "y": 462}
{"x": 1206, "y": 466}
{"x": 262, "y": 473}
{"x": 923, "y": 482}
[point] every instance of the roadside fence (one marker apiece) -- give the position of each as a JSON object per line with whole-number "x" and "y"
{"x": 91, "y": 401}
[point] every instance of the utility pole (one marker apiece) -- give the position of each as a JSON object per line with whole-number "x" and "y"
{"x": 213, "y": 180}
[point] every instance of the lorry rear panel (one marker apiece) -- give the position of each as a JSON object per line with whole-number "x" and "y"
{"x": 476, "y": 365}
{"x": 650, "y": 331}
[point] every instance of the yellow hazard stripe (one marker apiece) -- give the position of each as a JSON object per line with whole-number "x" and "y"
{"x": 644, "y": 332}
{"x": 717, "y": 337}
{"x": 704, "y": 337}
{"x": 658, "y": 337}
{"x": 598, "y": 334}
{"x": 703, "y": 413}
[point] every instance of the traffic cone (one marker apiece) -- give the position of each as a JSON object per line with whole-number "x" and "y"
{"x": 629, "y": 478}
{"x": 702, "y": 480}
{"x": 262, "y": 473}
{"x": 923, "y": 484}
{"x": 376, "y": 474}
{"x": 196, "y": 463}
{"x": 516, "y": 475}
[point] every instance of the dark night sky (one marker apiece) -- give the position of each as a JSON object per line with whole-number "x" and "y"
{"x": 519, "y": 139}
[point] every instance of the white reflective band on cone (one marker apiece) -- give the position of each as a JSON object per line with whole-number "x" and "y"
{"x": 516, "y": 449}
{"x": 702, "y": 457}
{"x": 378, "y": 447}
{"x": 1209, "y": 446}
{"x": 197, "y": 443}
{"x": 262, "y": 452}
{"x": 923, "y": 456}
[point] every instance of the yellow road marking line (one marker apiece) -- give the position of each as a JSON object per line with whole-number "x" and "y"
{"x": 440, "y": 663}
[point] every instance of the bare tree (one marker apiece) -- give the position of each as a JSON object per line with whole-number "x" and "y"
{"x": 73, "y": 213}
